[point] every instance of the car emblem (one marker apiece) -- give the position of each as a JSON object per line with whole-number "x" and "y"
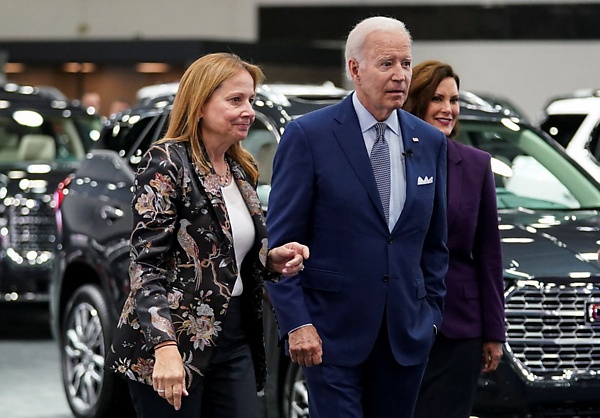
{"x": 592, "y": 312}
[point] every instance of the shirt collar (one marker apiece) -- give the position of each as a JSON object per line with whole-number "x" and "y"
{"x": 366, "y": 119}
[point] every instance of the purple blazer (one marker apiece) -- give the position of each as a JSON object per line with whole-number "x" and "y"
{"x": 474, "y": 302}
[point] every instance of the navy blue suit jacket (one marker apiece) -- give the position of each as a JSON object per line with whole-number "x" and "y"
{"x": 324, "y": 195}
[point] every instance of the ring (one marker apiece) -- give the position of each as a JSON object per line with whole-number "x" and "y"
{"x": 301, "y": 267}
{"x": 160, "y": 390}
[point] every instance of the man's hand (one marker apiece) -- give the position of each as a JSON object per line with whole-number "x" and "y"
{"x": 492, "y": 353}
{"x": 306, "y": 347}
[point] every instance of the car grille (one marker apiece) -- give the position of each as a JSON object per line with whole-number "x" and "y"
{"x": 31, "y": 229}
{"x": 550, "y": 333}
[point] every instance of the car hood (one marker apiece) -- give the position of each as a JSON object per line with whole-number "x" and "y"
{"x": 550, "y": 244}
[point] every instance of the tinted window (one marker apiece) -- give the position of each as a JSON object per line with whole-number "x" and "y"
{"x": 132, "y": 140}
{"x": 594, "y": 145}
{"x": 529, "y": 172}
{"x": 32, "y": 135}
{"x": 562, "y": 127}
{"x": 262, "y": 143}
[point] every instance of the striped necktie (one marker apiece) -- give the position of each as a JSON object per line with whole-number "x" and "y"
{"x": 380, "y": 160}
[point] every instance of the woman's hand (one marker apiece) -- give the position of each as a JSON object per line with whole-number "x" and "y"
{"x": 168, "y": 378}
{"x": 287, "y": 259}
{"x": 492, "y": 353}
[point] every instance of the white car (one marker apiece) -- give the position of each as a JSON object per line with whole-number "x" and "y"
{"x": 574, "y": 122}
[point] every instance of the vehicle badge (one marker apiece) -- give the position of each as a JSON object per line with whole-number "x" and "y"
{"x": 592, "y": 312}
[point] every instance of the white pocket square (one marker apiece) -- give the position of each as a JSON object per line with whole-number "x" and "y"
{"x": 427, "y": 180}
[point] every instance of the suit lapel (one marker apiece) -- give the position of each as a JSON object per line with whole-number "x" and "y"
{"x": 350, "y": 138}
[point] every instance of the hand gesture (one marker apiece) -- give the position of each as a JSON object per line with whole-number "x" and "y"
{"x": 288, "y": 259}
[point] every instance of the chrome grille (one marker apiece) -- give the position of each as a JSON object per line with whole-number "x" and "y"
{"x": 31, "y": 228}
{"x": 549, "y": 332}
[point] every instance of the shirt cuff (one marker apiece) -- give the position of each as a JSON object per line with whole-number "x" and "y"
{"x": 297, "y": 328}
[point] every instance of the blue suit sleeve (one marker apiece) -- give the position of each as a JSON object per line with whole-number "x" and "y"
{"x": 288, "y": 215}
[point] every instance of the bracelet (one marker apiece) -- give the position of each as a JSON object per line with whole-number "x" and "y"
{"x": 167, "y": 344}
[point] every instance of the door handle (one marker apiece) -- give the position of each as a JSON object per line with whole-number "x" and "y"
{"x": 111, "y": 213}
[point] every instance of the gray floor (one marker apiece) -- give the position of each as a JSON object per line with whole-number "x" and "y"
{"x": 30, "y": 385}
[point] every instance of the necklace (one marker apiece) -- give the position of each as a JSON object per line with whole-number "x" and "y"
{"x": 224, "y": 179}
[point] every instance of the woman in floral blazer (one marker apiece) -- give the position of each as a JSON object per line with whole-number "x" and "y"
{"x": 190, "y": 337}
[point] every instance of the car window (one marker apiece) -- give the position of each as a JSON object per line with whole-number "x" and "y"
{"x": 562, "y": 127}
{"x": 593, "y": 146}
{"x": 529, "y": 172}
{"x": 29, "y": 135}
{"x": 262, "y": 142}
{"x": 131, "y": 140}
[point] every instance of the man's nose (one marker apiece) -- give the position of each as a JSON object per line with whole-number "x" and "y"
{"x": 398, "y": 74}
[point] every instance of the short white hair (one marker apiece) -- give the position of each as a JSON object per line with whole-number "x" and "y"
{"x": 356, "y": 38}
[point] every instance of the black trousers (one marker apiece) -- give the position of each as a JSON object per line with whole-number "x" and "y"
{"x": 227, "y": 390}
{"x": 450, "y": 381}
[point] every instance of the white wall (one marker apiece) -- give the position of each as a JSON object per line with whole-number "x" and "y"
{"x": 127, "y": 19}
{"x": 528, "y": 73}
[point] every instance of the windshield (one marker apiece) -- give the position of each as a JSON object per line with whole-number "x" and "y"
{"x": 529, "y": 173}
{"x": 32, "y": 135}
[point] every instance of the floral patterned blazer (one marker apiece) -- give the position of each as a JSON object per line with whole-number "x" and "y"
{"x": 183, "y": 267}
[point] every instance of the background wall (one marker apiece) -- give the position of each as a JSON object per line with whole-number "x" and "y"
{"x": 528, "y": 72}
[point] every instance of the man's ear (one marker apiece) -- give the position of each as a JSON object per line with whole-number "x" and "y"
{"x": 353, "y": 69}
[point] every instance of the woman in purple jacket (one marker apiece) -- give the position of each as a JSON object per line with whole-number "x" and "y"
{"x": 473, "y": 328}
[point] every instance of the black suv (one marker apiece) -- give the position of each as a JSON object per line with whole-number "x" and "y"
{"x": 548, "y": 211}
{"x": 43, "y": 137}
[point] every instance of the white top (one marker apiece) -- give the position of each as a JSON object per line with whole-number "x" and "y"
{"x": 242, "y": 229}
{"x": 393, "y": 136}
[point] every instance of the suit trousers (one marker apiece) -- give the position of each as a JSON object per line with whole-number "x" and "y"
{"x": 377, "y": 388}
{"x": 450, "y": 381}
{"x": 227, "y": 390}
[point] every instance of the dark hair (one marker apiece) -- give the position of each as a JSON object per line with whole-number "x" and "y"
{"x": 426, "y": 77}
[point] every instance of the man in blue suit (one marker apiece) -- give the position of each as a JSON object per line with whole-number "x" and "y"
{"x": 362, "y": 315}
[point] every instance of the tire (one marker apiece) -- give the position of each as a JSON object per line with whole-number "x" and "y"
{"x": 85, "y": 336}
{"x": 295, "y": 393}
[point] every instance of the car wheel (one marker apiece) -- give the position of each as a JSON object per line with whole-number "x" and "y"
{"x": 295, "y": 393}
{"x": 85, "y": 336}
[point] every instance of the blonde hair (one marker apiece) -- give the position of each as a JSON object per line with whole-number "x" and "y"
{"x": 197, "y": 85}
